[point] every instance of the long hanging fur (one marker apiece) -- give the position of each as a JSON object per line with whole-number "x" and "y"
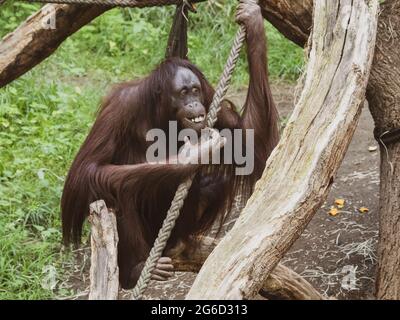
{"x": 111, "y": 163}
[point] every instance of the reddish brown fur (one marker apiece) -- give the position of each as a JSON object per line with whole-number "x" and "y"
{"x": 111, "y": 163}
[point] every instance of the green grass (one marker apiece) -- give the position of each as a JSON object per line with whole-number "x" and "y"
{"x": 45, "y": 115}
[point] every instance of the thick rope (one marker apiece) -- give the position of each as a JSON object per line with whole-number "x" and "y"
{"x": 117, "y": 3}
{"x": 225, "y": 80}
{"x": 183, "y": 189}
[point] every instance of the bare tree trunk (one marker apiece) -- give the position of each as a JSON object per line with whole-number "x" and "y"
{"x": 384, "y": 102}
{"x": 383, "y": 94}
{"x": 300, "y": 171}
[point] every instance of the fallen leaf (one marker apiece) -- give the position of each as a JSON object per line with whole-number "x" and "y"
{"x": 363, "y": 210}
{"x": 339, "y": 203}
{"x": 334, "y": 211}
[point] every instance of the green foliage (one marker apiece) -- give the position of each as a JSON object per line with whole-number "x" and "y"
{"x": 41, "y": 125}
{"x": 45, "y": 115}
{"x": 12, "y": 13}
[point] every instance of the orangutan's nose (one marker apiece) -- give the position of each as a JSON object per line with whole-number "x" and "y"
{"x": 196, "y": 107}
{"x": 193, "y": 105}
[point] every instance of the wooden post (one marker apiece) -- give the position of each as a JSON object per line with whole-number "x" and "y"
{"x": 104, "y": 275}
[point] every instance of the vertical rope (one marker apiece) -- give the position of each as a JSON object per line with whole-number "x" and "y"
{"x": 183, "y": 189}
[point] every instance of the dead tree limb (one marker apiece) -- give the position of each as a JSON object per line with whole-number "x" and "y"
{"x": 300, "y": 171}
{"x": 104, "y": 273}
{"x": 292, "y": 18}
{"x": 282, "y": 284}
{"x": 36, "y": 39}
{"x": 115, "y": 3}
{"x": 104, "y": 283}
{"x": 383, "y": 94}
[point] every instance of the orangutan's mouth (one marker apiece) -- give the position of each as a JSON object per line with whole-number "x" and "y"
{"x": 197, "y": 119}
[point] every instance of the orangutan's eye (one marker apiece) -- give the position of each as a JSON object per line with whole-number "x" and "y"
{"x": 195, "y": 90}
{"x": 184, "y": 92}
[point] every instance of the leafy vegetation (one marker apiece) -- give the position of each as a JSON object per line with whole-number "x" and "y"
{"x": 45, "y": 115}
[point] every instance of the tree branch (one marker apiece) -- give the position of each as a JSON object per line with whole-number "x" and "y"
{"x": 292, "y": 18}
{"x": 282, "y": 284}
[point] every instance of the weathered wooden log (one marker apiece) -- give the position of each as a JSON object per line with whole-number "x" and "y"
{"x": 115, "y": 3}
{"x": 35, "y": 40}
{"x": 292, "y": 18}
{"x": 300, "y": 171}
{"x": 40, "y": 35}
{"x": 104, "y": 273}
{"x": 383, "y": 93}
{"x": 282, "y": 284}
{"x": 43, "y": 32}
{"x": 104, "y": 283}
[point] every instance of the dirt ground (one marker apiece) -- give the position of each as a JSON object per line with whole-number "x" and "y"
{"x": 337, "y": 254}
